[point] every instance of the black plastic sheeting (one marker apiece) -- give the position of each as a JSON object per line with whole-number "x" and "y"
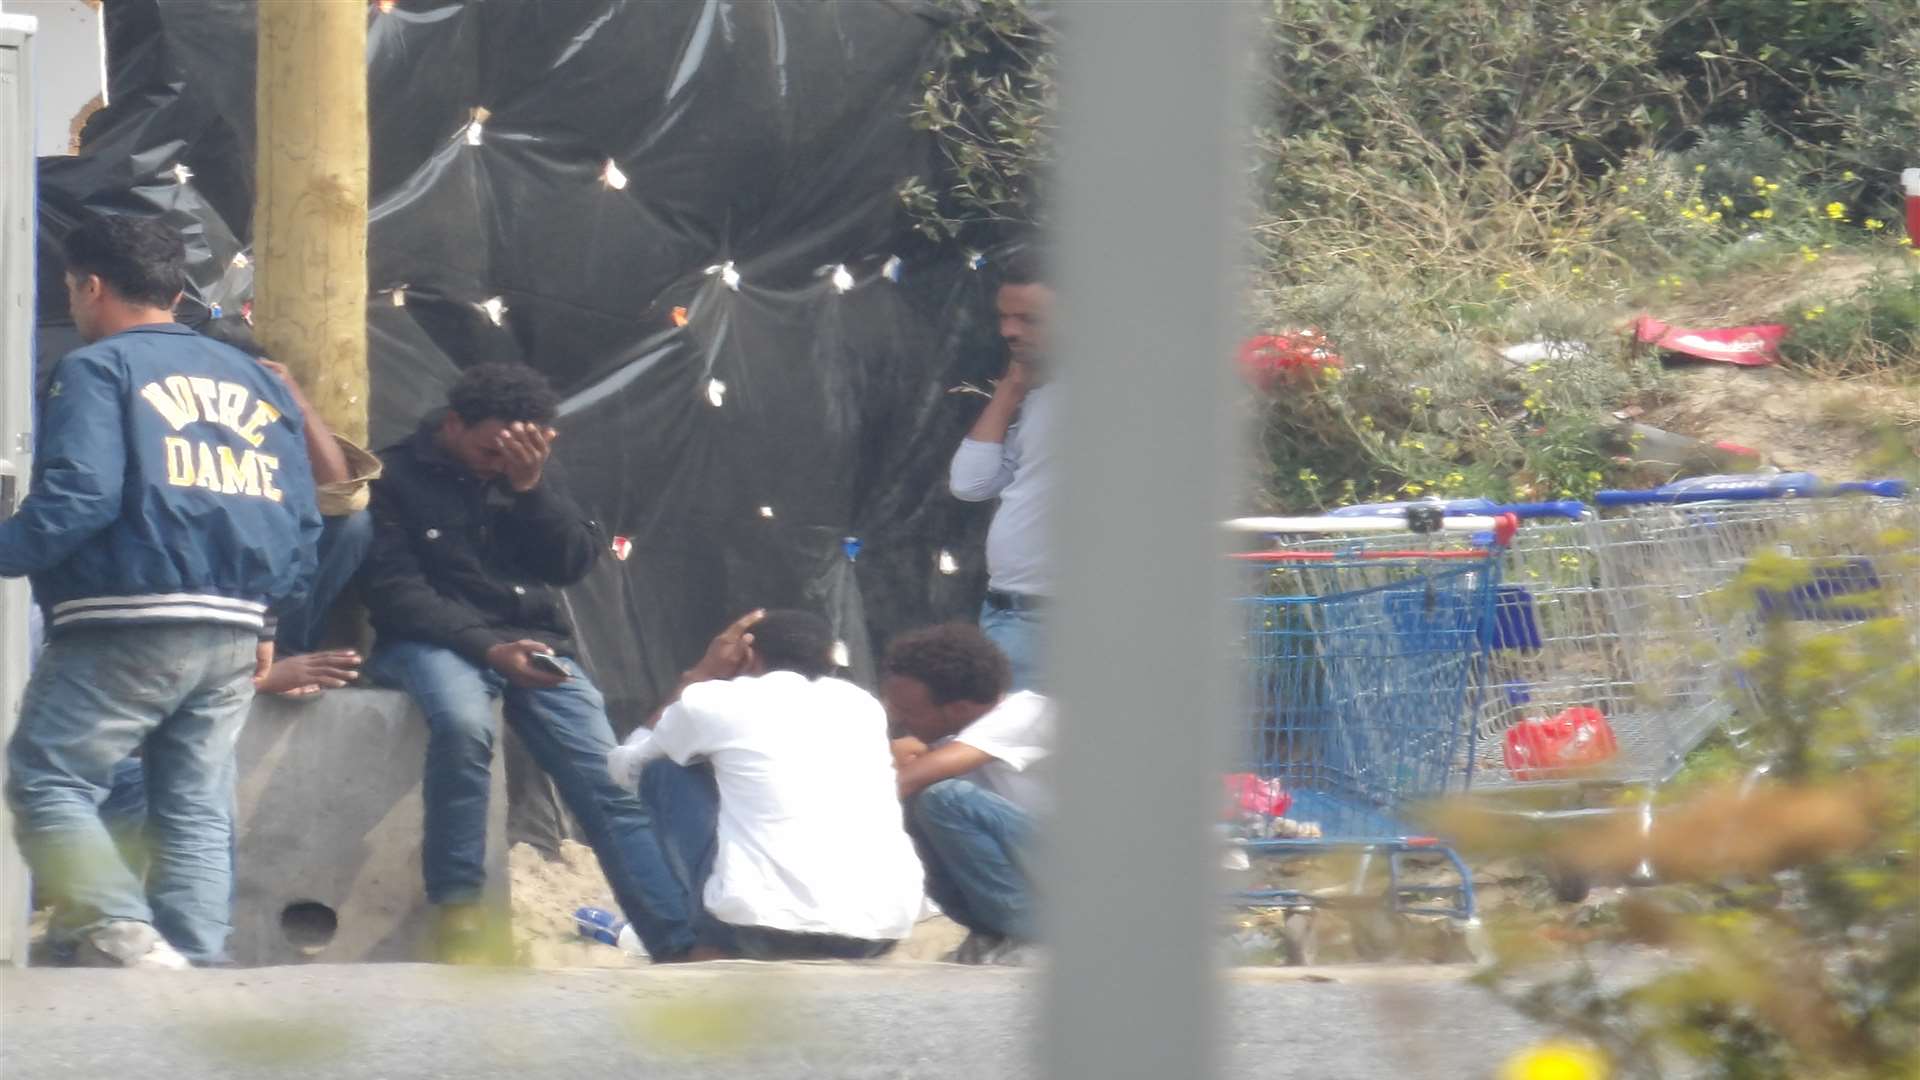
{"x": 788, "y": 445}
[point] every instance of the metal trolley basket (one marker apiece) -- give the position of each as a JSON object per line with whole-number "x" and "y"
{"x": 1359, "y": 670}
{"x": 1843, "y": 555}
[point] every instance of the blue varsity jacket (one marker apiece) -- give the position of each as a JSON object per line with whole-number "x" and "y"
{"x": 170, "y": 485}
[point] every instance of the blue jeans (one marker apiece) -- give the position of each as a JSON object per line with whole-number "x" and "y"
{"x": 685, "y": 803}
{"x": 1018, "y": 633}
{"x": 566, "y": 732}
{"x": 974, "y": 845}
{"x": 95, "y": 695}
{"x": 343, "y": 545}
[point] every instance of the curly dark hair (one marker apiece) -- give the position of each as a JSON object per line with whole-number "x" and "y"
{"x": 507, "y": 392}
{"x": 788, "y": 640}
{"x": 141, "y": 259}
{"x": 954, "y": 660}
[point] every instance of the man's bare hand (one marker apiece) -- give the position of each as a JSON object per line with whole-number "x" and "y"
{"x": 280, "y": 372}
{"x": 527, "y": 447}
{"x": 262, "y": 660}
{"x": 512, "y": 659}
{"x": 905, "y": 749}
{"x": 730, "y": 651}
{"x": 310, "y": 673}
{"x": 1016, "y": 382}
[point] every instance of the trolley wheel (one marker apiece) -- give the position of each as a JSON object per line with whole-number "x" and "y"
{"x": 1299, "y": 939}
{"x": 1475, "y": 942}
{"x": 1378, "y": 934}
{"x": 1570, "y": 885}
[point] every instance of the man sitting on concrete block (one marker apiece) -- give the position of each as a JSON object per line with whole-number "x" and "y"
{"x": 970, "y": 770}
{"x": 773, "y": 791}
{"x": 473, "y": 539}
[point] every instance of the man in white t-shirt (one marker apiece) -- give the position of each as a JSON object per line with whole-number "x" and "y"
{"x": 972, "y": 770}
{"x": 773, "y": 795}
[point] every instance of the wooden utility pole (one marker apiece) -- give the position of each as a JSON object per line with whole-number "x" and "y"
{"x": 310, "y": 202}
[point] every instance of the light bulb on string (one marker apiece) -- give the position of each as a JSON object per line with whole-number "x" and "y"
{"x": 891, "y": 269}
{"x": 947, "y": 564}
{"x": 842, "y": 278}
{"x": 613, "y": 177}
{"x": 495, "y": 309}
{"x": 716, "y": 393}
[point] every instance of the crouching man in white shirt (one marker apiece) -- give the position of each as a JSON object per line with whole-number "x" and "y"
{"x": 971, "y": 767}
{"x": 773, "y": 796}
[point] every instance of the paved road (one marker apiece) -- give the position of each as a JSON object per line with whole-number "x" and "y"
{"x": 411, "y": 1022}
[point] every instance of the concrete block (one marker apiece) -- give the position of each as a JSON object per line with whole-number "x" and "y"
{"x": 330, "y": 818}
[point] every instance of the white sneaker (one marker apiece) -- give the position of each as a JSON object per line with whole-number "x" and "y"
{"x": 129, "y": 944}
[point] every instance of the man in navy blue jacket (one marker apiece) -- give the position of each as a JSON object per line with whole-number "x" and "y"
{"x": 172, "y": 508}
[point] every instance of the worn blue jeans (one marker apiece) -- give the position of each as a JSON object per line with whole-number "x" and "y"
{"x": 566, "y": 732}
{"x": 685, "y": 803}
{"x": 95, "y": 694}
{"x": 975, "y": 846}
{"x": 343, "y": 545}
{"x": 1019, "y": 635}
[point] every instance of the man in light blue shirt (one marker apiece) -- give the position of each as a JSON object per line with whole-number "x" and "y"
{"x": 1008, "y": 454}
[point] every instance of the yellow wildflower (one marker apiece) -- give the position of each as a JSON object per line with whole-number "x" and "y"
{"x": 1640, "y": 181}
{"x": 1875, "y": 224}
{"x": 1759, "y": 181}
{"x": 1848, "y": 175}
{"x": 1837, "y": 211}
{"x": 1726, "y": 201}
{"x": 1699, "y": 168}
{"x": 1668, "y": 193}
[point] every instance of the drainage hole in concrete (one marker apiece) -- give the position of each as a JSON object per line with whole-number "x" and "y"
{"x": 309, "y": 925}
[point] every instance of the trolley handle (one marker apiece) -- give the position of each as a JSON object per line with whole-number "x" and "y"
{"x": 1783, "y": 487}
{"x": 1481, "y": 507}
{"x": 1496, "y": 532}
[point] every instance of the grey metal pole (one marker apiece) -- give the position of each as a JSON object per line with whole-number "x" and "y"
{"x": 1146, "y": 203}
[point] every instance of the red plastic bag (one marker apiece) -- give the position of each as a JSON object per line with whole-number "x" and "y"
{"x": 1542, "y": 747}
{"x": 1248, "y": 794}
{"x": 1267, "y": 359}
{"x": 1747, "y": 346}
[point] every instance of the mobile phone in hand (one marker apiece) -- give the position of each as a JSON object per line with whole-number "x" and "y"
{"x": 549, "y": 663}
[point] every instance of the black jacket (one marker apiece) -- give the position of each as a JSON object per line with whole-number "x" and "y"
{"x": 466, "y": 563}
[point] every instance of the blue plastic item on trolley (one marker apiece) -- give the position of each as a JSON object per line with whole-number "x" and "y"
{"x": 1814, "y": 600}
{"x": 1747, "y": 487}
{"x": 1514, "y": 624}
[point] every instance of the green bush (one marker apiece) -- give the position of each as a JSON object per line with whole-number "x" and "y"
{"x": 1872, "y": 330}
